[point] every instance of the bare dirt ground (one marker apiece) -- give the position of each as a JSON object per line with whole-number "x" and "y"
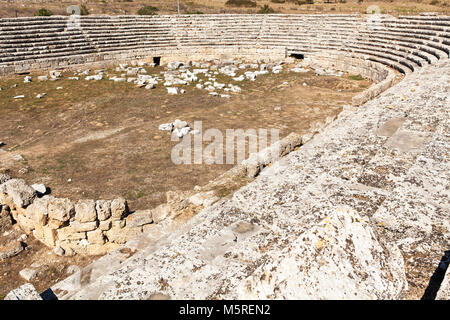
{"x": 104, "y": 137}
{"x": 22, "y": 8}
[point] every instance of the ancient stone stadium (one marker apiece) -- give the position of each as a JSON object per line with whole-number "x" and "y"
{"x": 354, "y": 205}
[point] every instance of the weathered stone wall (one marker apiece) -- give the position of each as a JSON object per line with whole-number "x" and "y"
{"x": 86, "y": 226}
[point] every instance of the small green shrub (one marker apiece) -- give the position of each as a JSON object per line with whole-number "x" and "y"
{"x": 241, "y": 3}
{"x": 147, "y": 11}
{"x": 356, "y": 77}
{"x": 302, "y": 2}
{"x": 43, "y": 13}
{"x": 84, "y": 10}
{"x": 266, "y": 9}
{"x": 434, "y": 2}
{"x": 278, "y": 1}
{"x": 194, "y": 12}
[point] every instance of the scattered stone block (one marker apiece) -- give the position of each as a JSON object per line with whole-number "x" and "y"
{"x": 103, "y": 208}
{"x": 160, "y": 213}
{"x": 172, "y": 90}
{"x": 38, "y": 211}
{"x": 105, "y": 225}
{"x": 122, "y": 235}
{"x": 59, "y": 251}
{"x": 40, "y": 189}
{"x": 67, "y": 233}
{"x": 12, "y": 249}
{"x": 96, "y": 237}
{"x": 204, "y": 199}
{"x": 85, "y": 211}
{"x": 101, "y": 249}
{"x": 60, "y": 209}
{"x": 83, "y": 226}
{"x": 21, "y": 193}
{"x": 119, "y": 208}
{"x": 49, "y": 236}
{"x": 28, "y": 274}
{"x": 25, "y": 292}
{"x": 25, "y": 223}
{"x": 139, "y": 218}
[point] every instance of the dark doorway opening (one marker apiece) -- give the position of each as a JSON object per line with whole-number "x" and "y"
{"x": 157, "y": 61}
{"x": 297, "y": 56}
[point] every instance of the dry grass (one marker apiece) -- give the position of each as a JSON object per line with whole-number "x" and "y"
{"x": 104, "y": 135}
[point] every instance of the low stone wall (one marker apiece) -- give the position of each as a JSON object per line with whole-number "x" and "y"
{"x": 86, "y": 226}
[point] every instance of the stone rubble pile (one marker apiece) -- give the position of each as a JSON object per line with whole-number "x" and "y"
{"x": 201, "y": 73}
{"x": 178, "y": 127}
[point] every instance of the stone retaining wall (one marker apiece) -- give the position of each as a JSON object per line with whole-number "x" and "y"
{"x": 86, "y": 226}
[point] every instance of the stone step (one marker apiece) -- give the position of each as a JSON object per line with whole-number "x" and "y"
{"x": 47, "y": 56}
{"x": 17, "y": 56}
{"x": 418, "y": 39}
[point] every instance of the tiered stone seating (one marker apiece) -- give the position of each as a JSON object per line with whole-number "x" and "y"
{"x": 390, "y": 41}
{"x": 233, "y": 249}
{"x": 25, "y": 39}
{"x": 405, "y": 44}
{"x": 128, "y": 32}
{"x": 218, "y": 30}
